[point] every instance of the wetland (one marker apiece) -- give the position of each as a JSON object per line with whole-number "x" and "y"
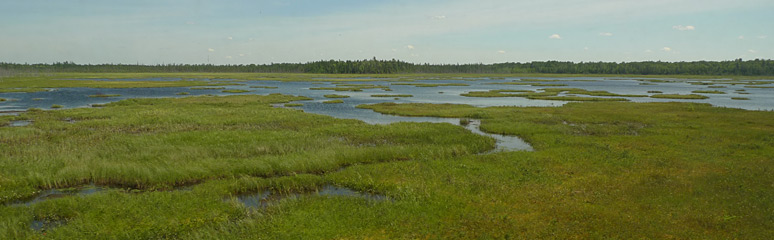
{"x": 397, "y": 156}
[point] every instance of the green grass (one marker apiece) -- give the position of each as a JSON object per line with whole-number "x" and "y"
{"x": 183, "y": 93}
{"x": 759, "y": 86}
{"x": 235, "y": 91}
{"x": 679, "y": 96}
{"x": 228, "y": 145}
{"x": 334, "y": 101}
{"x": 2, "y": 100}
{"x": 392, "y": 95}
{"x": 100, "y": 95}
{"x": 335, "y": 96}
{"x": 709, "y": 91}
{"x": 264, "y": 87}
{"x": 293, "y": 104}
{"x": 608, "y": 170}
{"x": 55, "y": 106}
{"x": 740, "y": 98}
{"x": 655, "y": 92}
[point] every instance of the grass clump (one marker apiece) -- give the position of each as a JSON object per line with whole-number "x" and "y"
{"x": 335, "y": 96}
{"x": 392, "y": 95}
{"x": 709, "y": 91}
{"x": 293, "y": 104}
{"x": 679, "y": 96}
{"x": 740, "y": 98}
{"x": 264, "y": 87}
{"x": 333, "y": 101}
{"x": 100, "y": 95}
{"x": 655, "y": 92}
{"x": 183, "y": 93}
{"x": 55, "y": 106}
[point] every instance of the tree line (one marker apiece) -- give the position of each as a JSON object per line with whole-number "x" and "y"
{"x": 757, "y": 67}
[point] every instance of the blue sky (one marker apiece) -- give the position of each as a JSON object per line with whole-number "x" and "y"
{"x": 486, "y": 31}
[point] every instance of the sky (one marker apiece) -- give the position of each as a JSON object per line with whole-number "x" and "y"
{"x": 431, "y": 31}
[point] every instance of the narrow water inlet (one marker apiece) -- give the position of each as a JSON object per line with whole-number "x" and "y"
{"x": 59, "y": 193}
{"x": 504, "y": 142}
{"x": 264, "y": 199}
{"x": 19, "y": 123}
{"x": 45, "y": 225}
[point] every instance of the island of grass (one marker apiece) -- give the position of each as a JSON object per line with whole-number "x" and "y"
{"x": 392, "y": 95}
{"x": 531, "y": 84}
{"x": 759, "y": 86}
{"x": 293, "y": 104}
{"x": 100, "y": 95}
{"x": 207, "y": 88}
{"x": 182, "y": 93}
{"x": 432, "y": 84}
{"x": 55, "y": 106}
{"x": 552, "y": 94}
{"x": 235, "y": 91}
{"x": 740, "y": 98}
{"x": 679, "y": 96}
{"x": 335, "y": 96}
{"x": 2, "y": 99}
{"x": 264, "y": 87}
{"x": 333, "y": 101}
{"x": 709, "y": 91}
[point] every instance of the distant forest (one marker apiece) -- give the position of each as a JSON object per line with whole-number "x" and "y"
{"x": 756, "y": 67}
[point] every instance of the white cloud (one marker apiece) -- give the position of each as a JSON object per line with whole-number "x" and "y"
{"x": 190, "y": 23}
{"x": 684, "y": 28}
{"x": 752, "y": 51}
{"x": 740, "y": 37}
{"x": 241, "y": 54}
{"x": 648, "y": 51}
{"x": 585, "y": 48}
{"x": 210, "y": 50}
{"x": 762, "y": 37}
{"x": 606, "y": 34}
{"x": 501, "y": 52}
{"x": 439, "y": 17}
{"x": 410, "y": 47}
{"x": 229, "y": 57}
{"x": 230, "y": 38}
{"x": 666, "y": 49}
{"x": 555, "y": 36}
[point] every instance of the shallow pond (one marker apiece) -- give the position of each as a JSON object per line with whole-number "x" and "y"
{"x": 265, "y": 198}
